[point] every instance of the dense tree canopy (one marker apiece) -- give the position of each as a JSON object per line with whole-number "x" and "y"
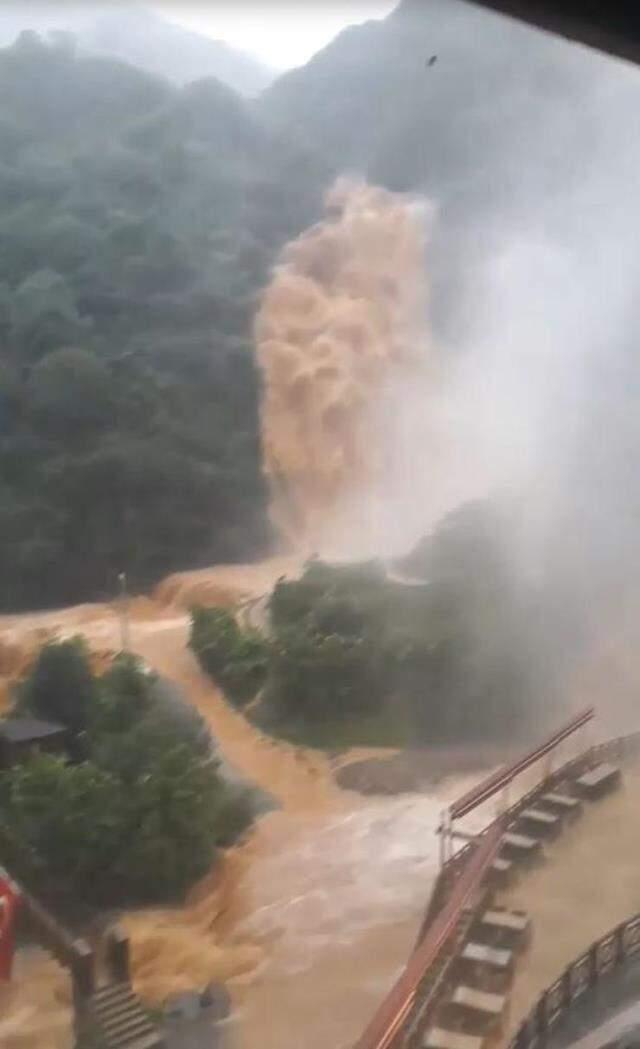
{"x": 136, "y": 808}
{"x": 354, "y": 655}
{"x": 137, "y": 223}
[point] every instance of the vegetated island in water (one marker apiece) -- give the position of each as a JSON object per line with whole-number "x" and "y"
{"x": 436, "y": 648}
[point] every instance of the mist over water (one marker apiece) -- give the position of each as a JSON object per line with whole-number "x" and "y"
{"x": 524, "y": 387}
{"x": 376, "y": 422}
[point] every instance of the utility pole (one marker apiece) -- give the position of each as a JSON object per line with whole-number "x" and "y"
{"x": 123, "y": 605}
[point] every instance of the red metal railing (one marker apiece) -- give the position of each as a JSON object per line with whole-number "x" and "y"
{"x": 503, "y": 777}
{"x": 468, "y": 868}
{"x": 389, "y": 1021}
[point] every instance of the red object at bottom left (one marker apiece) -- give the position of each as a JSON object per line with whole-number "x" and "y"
{"x": 9, "y": 903}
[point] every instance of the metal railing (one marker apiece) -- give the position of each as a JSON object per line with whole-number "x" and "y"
{"x": 501, "y": 779}
{"x": 416, "y": 993}
{"x": 612, "y": 949}
{"x": 616, "y": 947}
{"x": 491, "y": 786}
{"x": 427, "y": 967}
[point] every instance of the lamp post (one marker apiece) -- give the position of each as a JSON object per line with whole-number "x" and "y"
{"x": 124, "y": 612}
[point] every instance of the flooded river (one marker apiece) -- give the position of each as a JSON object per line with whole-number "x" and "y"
{"x": 309, "y": 921}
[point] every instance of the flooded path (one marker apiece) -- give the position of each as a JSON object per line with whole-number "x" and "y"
{"x": 310, "y": 920}
{"x": 587, "y": 884}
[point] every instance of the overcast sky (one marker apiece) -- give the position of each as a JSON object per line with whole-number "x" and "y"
{"x": 281, "y": 34}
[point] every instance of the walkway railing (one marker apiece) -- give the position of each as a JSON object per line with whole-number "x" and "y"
{"x": 491, "y": 786}
{"x": 613, "y": 949}
{"x": 456, "y": 897}
{"x": 501, "y": 779}
{"x": 427, "y": 967}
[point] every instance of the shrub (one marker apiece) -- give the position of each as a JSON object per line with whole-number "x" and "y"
{"x": 60, "y": 685}
{"x": 236, "y": 659}
{"x": 125, "y": 694}
{"x": 321, "y": 677}
{"x": 142, "y": 815}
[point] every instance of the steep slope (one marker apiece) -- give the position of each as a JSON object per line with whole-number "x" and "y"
{"x": 373, "y": 99}
{"x": 135, "y": 34}
{"x": 142, "y": 37}
{"x": 138, "y": 222}
{"x": 526, "y": 145}
{"x": 494, "y": 122}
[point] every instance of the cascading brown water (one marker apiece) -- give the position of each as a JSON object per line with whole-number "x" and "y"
{"x": 339, "y": 325}
{"x": 330, "y": 884}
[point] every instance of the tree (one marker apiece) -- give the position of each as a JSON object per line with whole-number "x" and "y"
{"x": 130, "y": 263}
{"x": 172, "y": 813}
{"x": 141, "y": 815}
{"x": 60, "y": 685}
{"x": 44, "y": 314}
{"x": 71, "y": 815}
{"x": 236, "y": 658}
{"x": 69, "y": 394}
{"x": 322, "y": 677}
{"x": 124, "y": 696}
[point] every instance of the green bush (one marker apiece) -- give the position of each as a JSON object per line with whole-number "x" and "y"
{"x": 116, "y": 836}
{"x": 139, "y": 818}
{"x": 125, "y": 694}
{"x": 449, "y": 658}
{"x": 72, "y": 816}
{"x": 322, "y": 677}
{"x": 237, "y": 659}
{"x": 61, "y": 686}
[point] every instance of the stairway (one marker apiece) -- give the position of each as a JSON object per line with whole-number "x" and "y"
{"x": 119, "y": 1020}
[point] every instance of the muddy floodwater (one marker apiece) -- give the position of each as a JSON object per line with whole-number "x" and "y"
{"x": 309, "y": 922}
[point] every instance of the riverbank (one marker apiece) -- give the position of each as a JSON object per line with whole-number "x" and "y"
{"x": 331, "y": 884}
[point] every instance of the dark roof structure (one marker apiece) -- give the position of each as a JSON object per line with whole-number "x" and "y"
{"x": 28, "y": 730}
{"x": 613, "y": 27}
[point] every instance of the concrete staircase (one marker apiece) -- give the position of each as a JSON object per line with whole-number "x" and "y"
{"x": 119, "y": 1021}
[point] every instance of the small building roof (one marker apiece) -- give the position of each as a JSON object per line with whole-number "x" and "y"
{"x": 24, "y": 730}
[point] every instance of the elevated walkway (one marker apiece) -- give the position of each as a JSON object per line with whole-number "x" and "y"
{"x": 465, "y": 983}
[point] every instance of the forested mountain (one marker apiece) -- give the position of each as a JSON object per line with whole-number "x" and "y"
{"x": 136, "y": 34}
{"x": 441, "y": 96}
{"x": 137, "y": 223}
{"x": 527, "y": 146}
{"x": 500, "y": 126}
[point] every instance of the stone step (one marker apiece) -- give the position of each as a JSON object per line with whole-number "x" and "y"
{"x": 112, "y": 991}
{"x": 147, "y": 1041}
{"x": 470, "y": 998}
{"x": 503, "y": 928}
{"x": 500, "y": 958}
{"x": 520, "y": 845}
{"x": 561, "y": 804}
{"x": 441, "y": 1038}
{"x": 501, "y": 871}
{"x": 126, "y": 1030}
{"x": 116, "y": 1008}
{"x": 107, "y": 997}
{"x": 539, "y": 821}
{"x": 121, "y": 1021}
{"x": 598, "y": 781}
